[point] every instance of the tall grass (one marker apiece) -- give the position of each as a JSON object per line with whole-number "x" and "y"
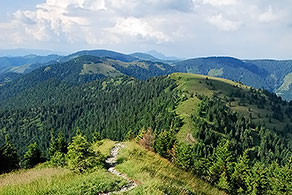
{"x": 43, "y": 180}
{"x": 155, "y": 175}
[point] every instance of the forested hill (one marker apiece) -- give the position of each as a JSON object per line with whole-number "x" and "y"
{"x": 236, "y": 137}
{"x": 272, "y": 75}
{"x": 79, "y": 71}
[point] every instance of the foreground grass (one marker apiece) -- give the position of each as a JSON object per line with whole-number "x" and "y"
{"x": 155, "y": 175}
{"x": 44, "y": 180}
{"x": 104, "y": 146}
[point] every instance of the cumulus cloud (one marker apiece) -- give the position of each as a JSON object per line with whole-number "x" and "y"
{"x": 220, "y": 2}
{"x": 176, "y": 27}
{"x": 268, "y": 16}
{"x": 223, "y": 24}
{"x": 138, "y": 28}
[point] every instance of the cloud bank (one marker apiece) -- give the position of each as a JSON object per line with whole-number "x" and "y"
{"x": 242, "y": 28}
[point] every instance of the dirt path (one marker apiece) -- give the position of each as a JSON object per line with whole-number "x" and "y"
{"x": 111, "y": 161}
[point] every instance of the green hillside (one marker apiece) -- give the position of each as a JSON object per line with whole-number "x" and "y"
{"x": 260, "y": 106}
{"x": 81, "y": 70}
{"x": 235, "y": 137}
{"x": 272, "y": 75}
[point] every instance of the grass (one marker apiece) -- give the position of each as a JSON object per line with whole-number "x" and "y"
{"x": 27, "y": 176}
{"x": 100, "y": 68}
{"x": 216, "y": 72}
{"x": 156, "y": 175}
{"x": 94, "y": 182}
{"x": 43, "y": 180}
{"x": 190, "y": 85}
{"x": 104, "y": 146}
{"x": 184, "y": 110}
{"x": 286, "y": 84}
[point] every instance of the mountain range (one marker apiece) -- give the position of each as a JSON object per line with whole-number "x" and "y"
{"x": 233, "y": 136}
{"x": 272, "y": 75}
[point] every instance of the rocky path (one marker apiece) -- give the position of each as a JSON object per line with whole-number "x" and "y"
{"x": 111, "y": 161}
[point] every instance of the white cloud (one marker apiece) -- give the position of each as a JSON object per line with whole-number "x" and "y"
{"x": 223, "y": 24}
{"x": 177, "y": 27}
{"x": 268, "y": 16}
{"x": 137, "y": 28}
{"x": 219, "y": 2}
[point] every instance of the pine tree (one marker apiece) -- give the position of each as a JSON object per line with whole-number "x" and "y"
{"x": 80, "y": 155}
{"x": 184, "y": 154}
{"x": 164, "y": 142}
{"x": 33, "y": 156}
{"x": 57, "y": 145}
{"x": 223, "y": 182}
{"x": 8, "y": 157}
{"x": 257, "y": 182}
{"x": 222, "y": 159}
{"x": 240, "y": 173}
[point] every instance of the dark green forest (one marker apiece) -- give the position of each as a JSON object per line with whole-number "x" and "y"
{"x": 53, "y": 107}
{"x": 111, "y": 107}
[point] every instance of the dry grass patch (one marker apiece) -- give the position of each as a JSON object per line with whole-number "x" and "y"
{"x": 28, "y": 176}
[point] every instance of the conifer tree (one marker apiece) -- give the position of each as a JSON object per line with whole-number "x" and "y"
{"x": 80, "y": 155}
{"x": 8, "y": 157}
{"x": 222, "y": 159}
{"x": 33, "y": 156}
{"x": 240, "y": 174}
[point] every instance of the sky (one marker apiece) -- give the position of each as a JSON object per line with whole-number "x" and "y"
{"x": 246, "y": 29}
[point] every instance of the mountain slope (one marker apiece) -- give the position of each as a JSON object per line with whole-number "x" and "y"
{"x": 144, "y": 56}
{"x": 272, "y": 75}
{"x": 84, "y": 69}
{"x": 210, "y": 127}
{"x": 226, "y": 67}
{"x": 260, "y": 106}
{"x": 25, "y": 63}
{"x": 101, "y": 53}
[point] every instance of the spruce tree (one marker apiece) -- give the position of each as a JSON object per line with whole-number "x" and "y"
{"x": 8, "y": 157}
{"x": 33, "y": 156}
{"x": 240, "y": 173}
{"x": 80, "y": 155}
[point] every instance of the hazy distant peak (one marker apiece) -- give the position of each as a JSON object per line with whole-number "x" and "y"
{"x": 161, "y": 56}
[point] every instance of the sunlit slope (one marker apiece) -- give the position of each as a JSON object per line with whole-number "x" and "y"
{"x": 156, "y": 175}
{"x": 258, "y": 105}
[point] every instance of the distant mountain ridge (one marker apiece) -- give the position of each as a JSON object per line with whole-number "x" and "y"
{"x": 273, "y": 75}
{"x": 23, "y": 64}
{"x": 24, "y": 51}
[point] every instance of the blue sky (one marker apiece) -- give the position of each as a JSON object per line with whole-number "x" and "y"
{"x": 183, "y": 28}
{"x": 8, "y": 7}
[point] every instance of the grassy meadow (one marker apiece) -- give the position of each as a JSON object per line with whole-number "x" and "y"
{"x": 156, "y": 175}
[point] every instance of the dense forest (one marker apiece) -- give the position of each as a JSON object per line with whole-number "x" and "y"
{"x": 241, "y": 135}
{"x": 113, "y": 107}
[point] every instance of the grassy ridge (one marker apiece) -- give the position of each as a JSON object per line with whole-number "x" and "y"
{"x": 191, "y": 86}
{"x": 156, "y": 175}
